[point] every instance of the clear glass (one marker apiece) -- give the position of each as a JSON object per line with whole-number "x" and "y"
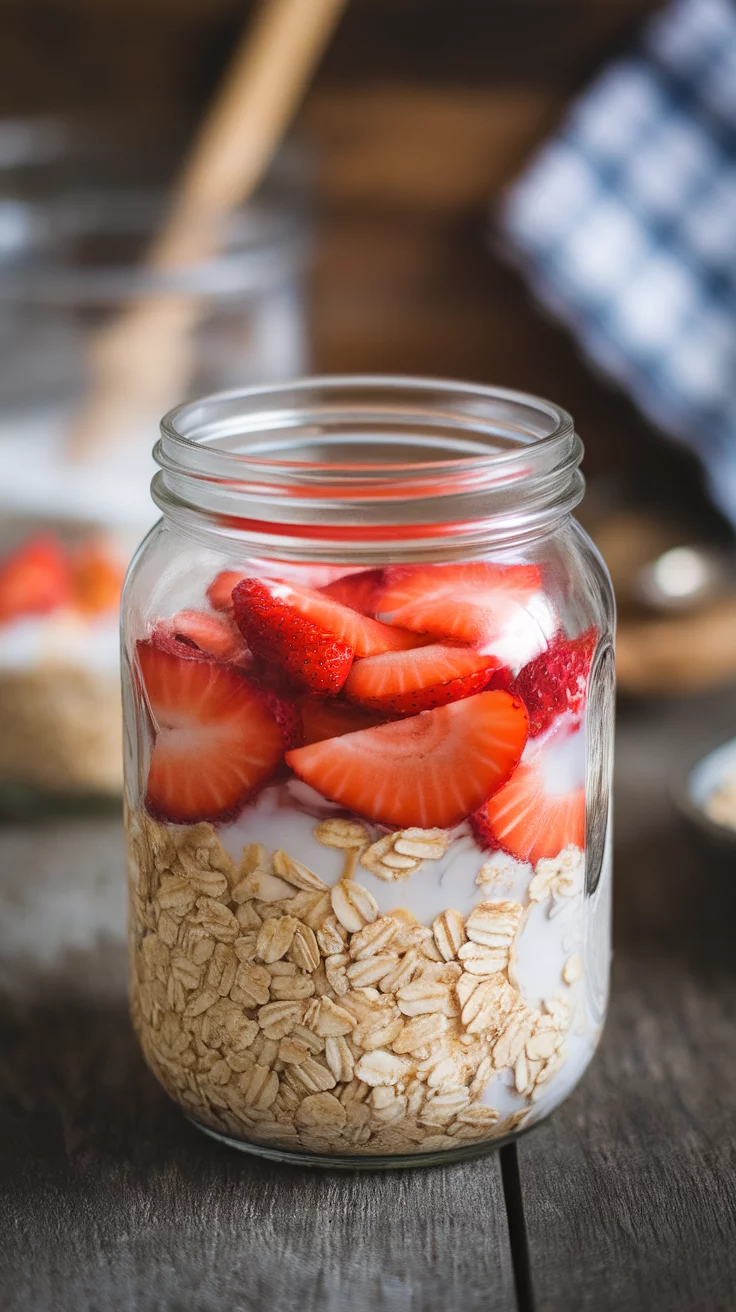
{"x": 368, "y": 692}
{"x": 69, "y": 264}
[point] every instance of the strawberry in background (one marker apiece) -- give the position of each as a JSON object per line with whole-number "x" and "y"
{"x": 43, "y": 576}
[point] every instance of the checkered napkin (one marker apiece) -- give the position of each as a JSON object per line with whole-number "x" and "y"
{"x": 625, "y": 226}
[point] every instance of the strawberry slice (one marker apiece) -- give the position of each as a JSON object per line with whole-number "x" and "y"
{"x": 215, "y": 738}
{"x": 195, "y": 635}
{"x": 278, "y": 634}
{"x": 556, "y": 681}
{"x": 325, "y": 718}
{"x": 431, "y": 770}
{"x": 470, "y": 602}
{"x": 407, "y": 682}
{"x": 35, "y": 579}
{"x": 358, "y": 591}
{"x": 541, "y": 809}
{"x": 220, "y": 591}
{"x": 367, "y": 637}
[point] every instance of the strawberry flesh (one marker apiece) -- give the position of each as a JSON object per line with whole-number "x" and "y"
{"x": 35, "y": 579}
{"x": 408, "y": 682}
{"x": 220, "y": 590}
{"x": 432, "y": 769}
{"x": 278, "y": 635}
{"x": 529, "y": 822}
{"x": 196, "y": 635}
{"x": 328, "y": 718}
{"x": 469, "y": 602}
{"x": 555, "y": 682}
{"x": 216, "y": 740}
{"x": 358, "y": 591}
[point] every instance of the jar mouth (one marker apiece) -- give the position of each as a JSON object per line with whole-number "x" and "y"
{"x": 369, "y": 458}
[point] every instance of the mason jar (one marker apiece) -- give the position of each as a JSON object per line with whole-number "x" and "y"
{"x": 70, "y": 264}
{"x": 368, "y": 700}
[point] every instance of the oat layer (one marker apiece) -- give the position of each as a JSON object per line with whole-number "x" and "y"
{"x": 284, "y": 1012}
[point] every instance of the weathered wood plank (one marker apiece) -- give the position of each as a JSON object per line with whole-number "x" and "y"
{"x": 630, "y": 1190}
{"x": 108, "y": 1199}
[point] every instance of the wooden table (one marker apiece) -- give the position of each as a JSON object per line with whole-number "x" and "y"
{"x": 624, "y": 1200}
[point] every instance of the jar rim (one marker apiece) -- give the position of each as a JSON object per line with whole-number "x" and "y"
{"x": 278, "y": 461}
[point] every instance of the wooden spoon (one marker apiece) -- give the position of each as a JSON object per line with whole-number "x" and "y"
{"x": 142, "y": 361}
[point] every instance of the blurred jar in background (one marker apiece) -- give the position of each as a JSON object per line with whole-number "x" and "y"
{"x": 76, "y": 220}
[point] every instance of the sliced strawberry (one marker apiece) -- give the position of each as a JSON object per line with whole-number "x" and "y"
{"x": 556, "y": 681}
{"x": 407, "y": 682}
{"x": 35, "y": 579}
{"x": 537, "y": 813}
{"x": 97, "y": 578}
{"x": 430, "y": 770}
{"x": 195, "y": 635}
{"x": 366, "y": 636}
{"x": 470, "y": 602}
{"x": 358, "y": 591}
{"x": 220, "y": 591}
{"x": 215, "y": 738}
{"x": 280, "y": 636}
{"x": 325, "y": 718}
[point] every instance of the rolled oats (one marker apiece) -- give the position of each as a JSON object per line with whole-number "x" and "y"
{"x": 378, "y": 1032}
{"x": 297, "y": 874}
{"x": 326, "y": 1018}
{"x": 421, "y": 1031}
{"x": 274, "y": 938}
{"x": 339, "y": 1058}
{"x": 252, "y": 985}
{"x": 421, "y": 996}
{"x": 314, "y": 1075}
{"x": 263, "y": 886}
{"x": 573, "y": 968}
{"x": 277, "y": 1019}
{"x": 274, "y": 1007}
{"x": 291, "y": 987}
{"x": 385, "y": 862}
{"x": 341, "y": 833}
{"x": 370, "y": 970}
{"x": 292, "y": 1051}
{"x": 321, "y": 1110}
{"x": 353, "y": 905}
{"x": 247, "y": 916}
{"x": 477, "y": 959}
{"x": 373, "y": 938}
{"x": 335, "y": 970}
{"x": 426, "y": 844}
{"x": 304, "y": 950}
{"x": 176, "y": 896}
{"x": 449, "y": 933}
{"x": 259, "y": 1087}
{"x": 381, "y": 1067}
{"x": 331, "y": 937}
{"x": 222, "y": 969}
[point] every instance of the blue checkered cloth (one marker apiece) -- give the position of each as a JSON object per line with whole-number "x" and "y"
{"x": 625, "y": 226}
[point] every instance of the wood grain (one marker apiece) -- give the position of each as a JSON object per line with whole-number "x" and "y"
{"x": 630, "y": 1190}
{"x": 110, "y": 1202}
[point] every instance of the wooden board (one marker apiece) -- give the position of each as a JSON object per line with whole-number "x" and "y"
{"x": 630, "y": 1190}
{"x": 111, "y": 1202}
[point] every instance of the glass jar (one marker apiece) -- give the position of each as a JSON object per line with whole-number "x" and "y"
{"x": 69, "y": 264}
{"x": 368, "y": 695}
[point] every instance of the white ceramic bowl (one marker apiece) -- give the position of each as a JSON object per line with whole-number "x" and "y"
{"x": 698, "y": 782}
